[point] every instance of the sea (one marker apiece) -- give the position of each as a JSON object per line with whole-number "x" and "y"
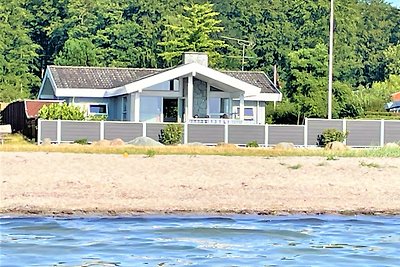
{"x": 178, "y": 240}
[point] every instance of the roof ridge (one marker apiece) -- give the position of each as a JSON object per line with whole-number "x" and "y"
{"x": 93, "y": 67}
{"x": 243, "y": 71}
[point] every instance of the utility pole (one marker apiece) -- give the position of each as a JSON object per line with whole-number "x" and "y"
{"x": 243, "y": 43}
{"x": 330, "y": 78}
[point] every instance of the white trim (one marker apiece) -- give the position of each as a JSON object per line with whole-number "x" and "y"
{"x": 226, "y": 134}
{"x": 190, "y": 98}
{"x": 95, "y": 104}
{"x": 264, "y": 97}
{"x": 382, "y": 137}
{"x": 144, "y": 129}
{"x": 305, "y": 132}
{"x": 39, "y": 131}
{"x": 136, "y": 111}
{"x": 241, "y": 106}
{"x": 62, "y": 92}
{"x": 53, "y": 84}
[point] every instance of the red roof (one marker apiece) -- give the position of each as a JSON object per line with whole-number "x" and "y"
{"x": 396, "y": 96}
{"x": 32, "y": 107}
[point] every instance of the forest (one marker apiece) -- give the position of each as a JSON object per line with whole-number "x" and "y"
{"x": 291, "y": 34}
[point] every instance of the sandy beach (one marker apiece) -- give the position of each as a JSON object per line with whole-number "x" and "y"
{"x": 59, "y": 183}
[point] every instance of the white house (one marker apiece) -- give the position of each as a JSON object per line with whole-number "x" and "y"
{"x": 188, "y": 92}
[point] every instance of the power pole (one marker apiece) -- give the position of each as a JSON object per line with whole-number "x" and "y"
{"x": 330, "y": 78}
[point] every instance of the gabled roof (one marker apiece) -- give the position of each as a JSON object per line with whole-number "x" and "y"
{"x": 70, "y": 77}
{"x": 99, "y": 82}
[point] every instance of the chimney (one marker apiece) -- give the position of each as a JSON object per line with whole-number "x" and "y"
{"x": 195, "y": 57}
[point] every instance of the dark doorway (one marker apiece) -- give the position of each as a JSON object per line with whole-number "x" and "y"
{"x": 170, "y": 109}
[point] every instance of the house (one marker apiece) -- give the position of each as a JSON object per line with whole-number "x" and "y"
{"x": 394, "y": 105}
{"x": 22, "y": 115}
{"x": 190, "y": 92}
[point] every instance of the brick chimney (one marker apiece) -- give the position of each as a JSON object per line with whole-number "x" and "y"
{"x": 195, "y": 57}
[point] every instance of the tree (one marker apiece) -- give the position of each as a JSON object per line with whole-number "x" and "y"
{"x": 17, "y": 52}
{"x": 392, "y": 58}
{"x": 193, "y": 31}
{"x": 77, "y": 52}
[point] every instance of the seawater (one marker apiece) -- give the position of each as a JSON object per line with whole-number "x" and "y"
{"x": 201, "y": 241}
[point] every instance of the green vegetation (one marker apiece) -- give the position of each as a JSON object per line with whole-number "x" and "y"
{"x": 171, "y": 134}
{"x": 370, "y": 165}
{"x": 252, "y": 144}
{"x": 151, "y": 153}
{"x": 61, "y": 112}
{"x": 295, "y": 167}
{"x": 23, "y": 145}
{"x": 332, "y": 135}
{"x": 292, "y": 34}
{"x": 83, "y": 141}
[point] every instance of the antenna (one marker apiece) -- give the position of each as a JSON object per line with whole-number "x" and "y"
{"x": 243, "y": 43}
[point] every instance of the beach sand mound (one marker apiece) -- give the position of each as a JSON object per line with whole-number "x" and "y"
{"x": 117, "y": 142}
{"x": 101, "y": 143}
{"x": 144, "y": 141}
{"x": 336, "y": 146}
{"x": 284, "y": 146}
{"x": 392, "y": 145}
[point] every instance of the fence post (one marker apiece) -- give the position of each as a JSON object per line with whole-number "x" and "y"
{"x": 39, "y": 134}
{"x": 58, "y": 131}
{"x": 185, "y": 132}
{"x": 382, "y": 133}
{"x": 266, "y": 135}
{"x": 101, "y": 130}
{"x": 306, "y": 132}
{"x": 144, "y": 129}
{"x": 226, "y": 134}
{"x": 344, "y": 129}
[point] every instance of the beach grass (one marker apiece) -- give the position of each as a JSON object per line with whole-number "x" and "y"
{"x": 19, "y": 145}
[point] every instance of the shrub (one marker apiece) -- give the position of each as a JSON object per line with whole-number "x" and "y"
{"x": 61, "y": 112}
{"x": 82, "y": 141}
{"x": 331, "y": 135}
{"x": 171, "y": 134}
{"x": 252, "y": 144}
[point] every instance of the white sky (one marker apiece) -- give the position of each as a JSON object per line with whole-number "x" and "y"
{"x": 395, "y": 2}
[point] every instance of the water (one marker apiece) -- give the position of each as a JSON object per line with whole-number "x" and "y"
{"x": 201, "y": 241}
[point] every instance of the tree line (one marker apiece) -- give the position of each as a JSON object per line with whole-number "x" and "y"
{"x": 292, "y": 34}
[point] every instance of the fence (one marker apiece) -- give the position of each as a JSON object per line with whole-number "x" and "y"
{"x": 362, "y": 133}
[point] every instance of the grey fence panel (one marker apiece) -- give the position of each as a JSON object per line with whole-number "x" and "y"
{"x": 242, "y": 134}
{"x": 286, "y": 133}
{"x": 74, "y": 130}
{"x": 153, "y": 130}
{"x": 125, "y": 131}
{"x": 208, "y": 134}
{"x": 316, "y": 127}
{"x": 48, "y": 130}
{"x": 363, "y": 133}
{"x": 392, "y": 131}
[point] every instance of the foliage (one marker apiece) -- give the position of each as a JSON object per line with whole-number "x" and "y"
{"x": 252, "y": 144}
{"x": 77, "y": 52}
{"x": 332, "y": 135}
{"x": 96, "y": 118}
{"x": 83, "y": 141}
{"x": 61, "y": 112}
{"x": 171, "y": 134}
{"x": 17, "y": 52}
{"x": 151, "y": 153}
{"x": 193, "y": 31}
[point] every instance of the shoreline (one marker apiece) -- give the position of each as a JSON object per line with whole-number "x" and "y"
{"x": 63, "y": 184}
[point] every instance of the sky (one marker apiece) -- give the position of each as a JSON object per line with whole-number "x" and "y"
{"x": 395, "y": 2}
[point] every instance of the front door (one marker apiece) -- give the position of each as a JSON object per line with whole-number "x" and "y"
{"x": 170, "y": 109}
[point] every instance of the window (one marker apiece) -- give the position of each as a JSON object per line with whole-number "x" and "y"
{"x": 98, "y": 109}
{"x": 124, "y": 108}
{"x": 150, "y": 108}
{"x": 248, "y": 113}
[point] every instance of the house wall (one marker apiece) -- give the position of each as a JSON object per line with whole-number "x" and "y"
{"x": 47, "y": 91}
{"x": 199, "y": 98}
{"x": 258, "y": 109}
{"x": 85, "y": 101}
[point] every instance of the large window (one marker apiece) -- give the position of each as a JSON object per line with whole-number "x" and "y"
{"x": 218, "y": 107}
{"x": 124, "y": 108}
{"x": 150, "y": 108}
{"x": 98, "y": 109}
{"x": 248, "y": 114}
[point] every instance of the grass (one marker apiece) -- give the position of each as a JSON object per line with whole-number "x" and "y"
{"x": 295, "y": 167}
{"x": 370, "y": 165}
{"x": 17, "y": 143}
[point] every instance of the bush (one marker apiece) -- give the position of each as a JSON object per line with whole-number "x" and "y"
{"x": 83, "y": 141}
{"x": 331, "y": 135}
{"x": 252, "y": 144}
{"x": 171, "y": 134}
{"x": 61, "y": 112}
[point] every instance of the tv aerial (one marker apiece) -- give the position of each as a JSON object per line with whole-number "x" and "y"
{"x": 244, "y": 44}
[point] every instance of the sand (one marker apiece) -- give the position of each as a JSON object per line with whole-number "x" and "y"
{"x": 59, "y": 184}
